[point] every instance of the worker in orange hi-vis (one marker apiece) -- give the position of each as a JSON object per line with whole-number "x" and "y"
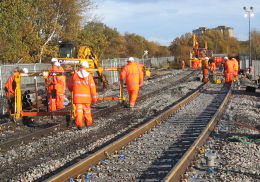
{"x": 195, "y": 63}
{"x": 10, "y": 86}
{"x": 213, "y": 66}
{"x": 56, "y": 86}
{"x": 205, "y": 69}
{"x": 182, "y": 64}
{"x": 229, "y": 69}
{"x": 236, "y": 67}
{"x": 134, "y": 78}
{"x": 83, "y": 86}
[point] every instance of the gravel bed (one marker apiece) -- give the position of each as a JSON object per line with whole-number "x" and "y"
{"x": 148, "y": 157}
{"x": 232, "y": 153}
{"x": 38, "y": 159}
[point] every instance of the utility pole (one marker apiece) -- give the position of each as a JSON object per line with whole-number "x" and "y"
{"x": 249, "y": 13}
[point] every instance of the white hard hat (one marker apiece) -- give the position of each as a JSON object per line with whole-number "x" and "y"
{"x": 207, "y": 58}
{"x": 54, "y": 60}
{"x": 56, "y": 64}
{"x": 25, "y": 70}
{"x": 84, "y": 64}
{"x": 131, "y": 59}
{"x": 225, "y": 57}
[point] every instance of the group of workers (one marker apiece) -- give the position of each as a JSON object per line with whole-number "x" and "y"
{"x": 82, "y": 84}
{"x": 231, "y": 68}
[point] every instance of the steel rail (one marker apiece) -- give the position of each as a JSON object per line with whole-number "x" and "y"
{"x": 180, "y": 167}
{"x": 56, "y": 127}
{"x": 85, "y": 164}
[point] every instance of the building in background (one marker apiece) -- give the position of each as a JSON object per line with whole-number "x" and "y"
{"x": 224, "y": 29}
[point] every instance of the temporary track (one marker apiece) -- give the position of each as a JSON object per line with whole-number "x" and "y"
{"x": 160, "y": 149}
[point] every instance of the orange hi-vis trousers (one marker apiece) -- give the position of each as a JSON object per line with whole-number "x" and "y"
{"x": 57, "y": 103}
{"x": 229, "y": 77}
{"x": 133, "y": 95}
{"x": 205, "y": 75}
{"x": 83, "y": 110}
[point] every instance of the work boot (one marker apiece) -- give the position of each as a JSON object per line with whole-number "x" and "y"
{"x": 80, "y": 128}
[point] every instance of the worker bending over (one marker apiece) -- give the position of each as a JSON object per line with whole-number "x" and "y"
{"x": 84, "y": 93}
{"x": 56, "y": 86}
{"x": 134, "y": 78}
{"x": 205, "y": 69}
{"x": 229, "y": 69}
{"x": 10, "y": 86}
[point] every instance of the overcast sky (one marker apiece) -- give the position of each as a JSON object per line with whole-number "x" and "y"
{"x": 164, "y": 20}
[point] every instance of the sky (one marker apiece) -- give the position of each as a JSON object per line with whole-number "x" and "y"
{"x": 164, "y": 20}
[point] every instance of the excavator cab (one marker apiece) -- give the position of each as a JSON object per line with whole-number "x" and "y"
{"x": 67, "y": 50}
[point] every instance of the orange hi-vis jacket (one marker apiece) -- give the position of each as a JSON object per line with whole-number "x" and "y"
{"x": 57, "y": 82}
{"x": 236, "y": 66}
{"x": 205, "y": 64}
{"x": 83, "y": 86}
{"x": 229, "y": 66}
{"x": 133, "y": 74}
{"x": 9, "y": 86}
{"x": 213, "y": 66}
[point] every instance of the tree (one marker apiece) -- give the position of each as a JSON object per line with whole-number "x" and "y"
{"x": 255, "y": 35}
{"x": 93, "y": 36}
{"x": 182, "y": 46}
{"x": 31, "y": 28}
{"x": 135, "y": 44}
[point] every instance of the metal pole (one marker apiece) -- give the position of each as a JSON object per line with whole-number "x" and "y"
{"x": 250, "y": 55}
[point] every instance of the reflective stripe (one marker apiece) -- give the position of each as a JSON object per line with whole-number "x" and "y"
{"x": 84, "y": 82}
{"x": 79, "y": 111}
{"x": 78, "y": 107}
{"x": 82, "y": 95}
{"x": 92, "y": 84}
{"x": 94, "y": 97}
{"x": 86, "y": 111}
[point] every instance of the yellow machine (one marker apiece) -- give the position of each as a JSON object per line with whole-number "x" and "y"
{"x": 70, "y": 56}
{"x": 18, "y": 105}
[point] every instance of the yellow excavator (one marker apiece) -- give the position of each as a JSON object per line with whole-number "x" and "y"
{"x": 72, "y": 57}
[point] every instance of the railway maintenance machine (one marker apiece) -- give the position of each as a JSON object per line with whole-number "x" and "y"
{"x": 21, "y": 100}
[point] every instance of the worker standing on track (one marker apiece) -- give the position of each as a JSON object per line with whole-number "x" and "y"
{"x": 236, "y": 67}
{"x": 10, "y": 86}
{"x": 84, "y": 93}
{"x": 213, "y": 68}
{"x": 229, "y": 69}
{"x": 205, "y": 69}
{"x": 182, "y": 64}
{"x": 56, "y": 86}
{"x": 134, "y": 78}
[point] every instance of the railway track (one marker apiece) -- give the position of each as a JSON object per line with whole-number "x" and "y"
{"x": 161, "y": 148}
{"x": 35, "y": 161}
{"x": 17, "y": 133}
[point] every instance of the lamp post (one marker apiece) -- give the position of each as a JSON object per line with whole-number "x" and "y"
{"x": 249, "y": 13}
